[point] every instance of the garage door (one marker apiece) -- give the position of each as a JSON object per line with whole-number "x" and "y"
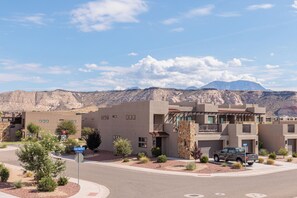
{"x": 291, "y": 146}
{"x": 249, "y": 143}
{"x": 209, "y": 147}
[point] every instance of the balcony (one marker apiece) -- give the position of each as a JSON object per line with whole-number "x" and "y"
{"x": 209, "y": 128}
{"x": 158, "y": 127}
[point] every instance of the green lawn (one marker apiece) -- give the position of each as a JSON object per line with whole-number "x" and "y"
{"x": 11, "y": 143}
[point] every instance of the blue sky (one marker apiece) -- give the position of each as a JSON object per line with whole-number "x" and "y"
{"x": 117, "y": 44}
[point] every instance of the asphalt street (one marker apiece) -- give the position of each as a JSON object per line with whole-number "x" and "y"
{"x": 124, "y": 183}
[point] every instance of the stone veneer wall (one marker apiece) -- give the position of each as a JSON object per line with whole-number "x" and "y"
{"x": 186, "y": 139}
{"x": 4, "y": 131}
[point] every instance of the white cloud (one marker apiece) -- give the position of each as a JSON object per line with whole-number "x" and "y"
{"x": 271, "y": 54}
{"x": 294, "y": 5}
{"x": 179, "y": 29}
{"x": 260, "y": 6}
{"x": 170, "y": 21}
{"x": 37, "y": 19}
{"x": 7, "y": 77}
{"x": 202, "y": 11}
{"x": 229, "y": 14}
{"x": 196, "y": 12}
{"x": 235, "y": 62}
{"x": 32, "y": 67}
{"x": 268, "y": 66}
{"x": 103, "y": 62}
{"x": 133, "y": 54}
{"x": 101, "y": 15}
{"x": 179, "y": 72}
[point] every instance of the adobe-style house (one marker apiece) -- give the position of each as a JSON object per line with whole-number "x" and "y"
{"x": 9, "y": 123}
{"x": 49, "y": 120}
{"x": 175, "y": 127}
{"x": 282, "y": 132}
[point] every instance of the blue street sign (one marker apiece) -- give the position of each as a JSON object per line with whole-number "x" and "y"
{"x": 79, "y": 149}
{"x": 244, "y": 145}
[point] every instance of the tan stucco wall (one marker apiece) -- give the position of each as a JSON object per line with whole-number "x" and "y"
{"x": 272, "y": 136}
{"x": 54, "y": 118}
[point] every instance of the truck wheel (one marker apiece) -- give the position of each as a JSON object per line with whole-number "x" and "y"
{"x": 239, "y": 160}
{"x": 216, "y": 158}
{"x": 250, "y": 163}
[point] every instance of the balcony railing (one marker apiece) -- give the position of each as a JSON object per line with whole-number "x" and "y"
{"x": 158, "y": 127}
{"x": 208, "y": 128}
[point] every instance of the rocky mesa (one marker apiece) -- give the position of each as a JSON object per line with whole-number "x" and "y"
{"x": 281, "y": 103}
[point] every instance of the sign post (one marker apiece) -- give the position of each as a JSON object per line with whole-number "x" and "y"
{"x": 78, "y": 158}
{"x": 245, "y": 151}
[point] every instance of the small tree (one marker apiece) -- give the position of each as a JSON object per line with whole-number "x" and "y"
{"x": 196, "y": 152}
{"x": 85, "y": 132}
{"x": 282, "y": 151}
{"x": 35, "y": 157}
{"x": 94, "y": 140}
{"x": 18, "y": 135}
{"x": 34, "y": 129}
{"x": 66, "y": 127}
{"x": 122, "y": 147}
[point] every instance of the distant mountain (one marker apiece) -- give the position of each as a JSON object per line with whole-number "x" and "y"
{"x": 242, "y": 85}
{"x": 192, "y": 88}
{"x": 280, "y": 103}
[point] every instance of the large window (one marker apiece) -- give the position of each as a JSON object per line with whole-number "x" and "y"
{"x": 142, "y": 142}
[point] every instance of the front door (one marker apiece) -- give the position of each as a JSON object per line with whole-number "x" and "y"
{"x": 159, "y": 142}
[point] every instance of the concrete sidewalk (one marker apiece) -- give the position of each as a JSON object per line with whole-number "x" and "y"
{"x": 87, "y": 189}
{"x": 255, "y": 170}
{"x": 9, "y": 148}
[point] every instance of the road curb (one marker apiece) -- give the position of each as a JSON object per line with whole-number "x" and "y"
{"x": 248, "y": 173}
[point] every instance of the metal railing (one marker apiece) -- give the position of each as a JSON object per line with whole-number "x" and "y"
{"x": 208, "y": 128}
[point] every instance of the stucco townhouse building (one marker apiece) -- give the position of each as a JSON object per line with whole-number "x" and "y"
{"x": 176, "y": 127}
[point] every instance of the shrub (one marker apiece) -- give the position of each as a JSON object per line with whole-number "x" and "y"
{"x": 270, "y": 161}
{"x": 144, "y": 160}
{"x": 272, "y": 156}
{"x": 289, "y": 159}
{"x": 263, "y": 152}
{"x": 294, "y": 155}
{"x": 62, "y": 181}
{"x": 94, "y": 140}
{"x": 28, "y": 174}
{"x": 283, "y": 151}
{"x": 46, "y": 184}
{"x": 122, "y": 147}
{"x": 4, "y": 174}
{"x": 162, "y": 159}
{"x": 204, "y": 159}
{"x": 69, "y": 145}
{"x": 261, "y": 160}
{"x": 18, "y": 135}
{"x": 140, "y": 155}
{"x": 224, "y": 164}
{"x": 191, "y": 166}
{"x": 156, "y": 151}
{"x": 68, "y": 127}
{"x": 237, "y": 165}
{"x": 18, "y": 184}
{"x": 126, "y": 160}
{"x": 196, "y": 152}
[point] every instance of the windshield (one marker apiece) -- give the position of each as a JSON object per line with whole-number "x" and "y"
{"x": 240, "y": 150}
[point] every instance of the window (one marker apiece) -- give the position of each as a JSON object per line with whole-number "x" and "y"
{"x": 115, "y": 137}
{"x": 114, "y": 116}
{"x": 291, "y": 128}
{"x": 211, "y": 119}
{"x": 105, "y": 117}
{"x": 246, "y": 128}
{"x": 130, "y": 117}
{"x": 61, "y": 120}
{"x": 43, "y": 121}
{"x": 142, "y": 142}
{"x": 224, "y": 150}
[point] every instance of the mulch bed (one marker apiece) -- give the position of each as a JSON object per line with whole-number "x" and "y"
{"x": 30, "y": 192}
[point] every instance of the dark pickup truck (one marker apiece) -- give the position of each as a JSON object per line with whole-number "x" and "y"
{"x": 235, "y": 154}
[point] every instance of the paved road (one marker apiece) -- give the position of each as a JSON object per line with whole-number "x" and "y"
{"x": 133, "y": 184}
